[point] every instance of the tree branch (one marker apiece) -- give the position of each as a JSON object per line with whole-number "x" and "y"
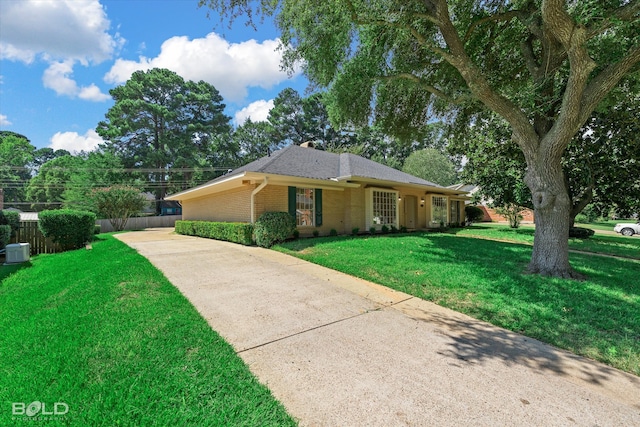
{"x": 572, "y": 37}
{"x": 628, "y": 12}
{"x": 429, "y": 88}
{"x": 523, "y": 132}
{"x": 530, "y": 59}
{"x": 507, "y": 16}
{"x": 358, "y": 20}
{"x": 605, "y": 81}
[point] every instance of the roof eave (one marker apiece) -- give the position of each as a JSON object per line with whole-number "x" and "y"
{"x": 208, "y": 188}
{"x": 386, "y": 183}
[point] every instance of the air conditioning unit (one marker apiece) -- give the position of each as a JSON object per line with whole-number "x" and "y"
{"x": 16, "y": 253}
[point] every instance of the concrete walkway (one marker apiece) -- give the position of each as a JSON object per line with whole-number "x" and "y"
{"x": 340, "y": 351}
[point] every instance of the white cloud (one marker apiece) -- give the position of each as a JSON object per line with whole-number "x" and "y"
{"x": 4, "y": 121}
{"x": 56, "y": 29}
{"x": 257, "y": 111}
{"x": 74, "y": 143}
{"x": 92, "y": 93}
{"x": 62, "y": 33}
{"x": 230, "y": 67}
{"x": 58, "y": 78}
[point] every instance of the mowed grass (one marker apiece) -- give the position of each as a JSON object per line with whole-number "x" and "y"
{"x": 605, "y": 225}
{"x": 623, "y": 246}
{"x": 104, "y": 332}
{"x": 598, "y": 318}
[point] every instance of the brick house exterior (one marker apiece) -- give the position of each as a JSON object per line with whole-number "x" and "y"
{"x": 490, "y": 214}
{"x": 324, "y": 191}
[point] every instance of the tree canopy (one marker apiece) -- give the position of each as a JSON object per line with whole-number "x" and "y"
{"x": 16, "y": 154}
{"x": 431, "y": 165}
{"x": 160, "y": 123}
{"x": 542, "y": 65}
{"x": 45, "y": 189}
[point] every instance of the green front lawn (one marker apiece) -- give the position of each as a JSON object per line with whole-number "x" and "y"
{"x": 605, "y": 225}
{"x": 598, "y": 318}
{"x": 104, "y": 332}
{"x": 628, "y": 247}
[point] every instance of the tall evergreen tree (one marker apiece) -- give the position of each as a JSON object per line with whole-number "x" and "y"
{"x": 159, "y": 122}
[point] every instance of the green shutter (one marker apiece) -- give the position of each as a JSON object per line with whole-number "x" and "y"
{"x": 318, "y": 197}
{"x": 292, "y": 202}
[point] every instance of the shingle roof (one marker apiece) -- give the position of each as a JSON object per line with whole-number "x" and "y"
{"x": 302, "y": 162}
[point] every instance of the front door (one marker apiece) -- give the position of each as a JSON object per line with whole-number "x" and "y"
{"x": 410, "y": 211}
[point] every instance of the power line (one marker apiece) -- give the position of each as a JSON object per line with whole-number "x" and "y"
{"x": 119, "y": 170}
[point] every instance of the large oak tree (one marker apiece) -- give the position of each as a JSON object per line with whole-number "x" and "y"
{"x": 600, "y": 164}
{"x": 542, "y": 65}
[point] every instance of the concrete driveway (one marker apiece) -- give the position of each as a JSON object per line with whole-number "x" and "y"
{"x": 340, "y": 351}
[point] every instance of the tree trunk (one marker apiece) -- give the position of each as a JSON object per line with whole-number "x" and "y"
{"x": 552, "y": 205}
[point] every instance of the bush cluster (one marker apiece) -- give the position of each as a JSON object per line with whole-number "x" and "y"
{"x": 5, "y": 235}
{"x": 580, "y": 232}
{"x": 71, "y": 229}
{"x": 473, "y": 213}
{"x": 236, "y": 232}
{"x": 273, "y": 227}
{"x": 10, "y": 218}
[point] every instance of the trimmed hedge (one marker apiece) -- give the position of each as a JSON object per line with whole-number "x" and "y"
{"x": 10, "y": 218}
{"x": 5, "y": 235}
{"x": 273, "y": 227}
{"x": 236, "y": 232}
{"x": 72, "y": 229}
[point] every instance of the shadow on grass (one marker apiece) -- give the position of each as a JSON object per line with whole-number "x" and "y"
{"x": 498, "y": 230}
{"x": 8, "y": 270}
{"x": 473, "y": 341}
{"x": 486, "y": 280}
{"x": 496, "y": 261}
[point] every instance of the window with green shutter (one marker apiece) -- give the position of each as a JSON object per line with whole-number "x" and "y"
{"x": 318, "y": 202}
{"x": 305, "y": 204}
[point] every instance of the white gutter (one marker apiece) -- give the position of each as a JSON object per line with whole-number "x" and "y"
{"x": 253, "y": 198}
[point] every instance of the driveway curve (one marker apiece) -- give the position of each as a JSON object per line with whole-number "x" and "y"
{"x": 340, "y": 351}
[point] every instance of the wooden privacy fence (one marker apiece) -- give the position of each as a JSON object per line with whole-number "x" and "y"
{"x": 38, "y": 244}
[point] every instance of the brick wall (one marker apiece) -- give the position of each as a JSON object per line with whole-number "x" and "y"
{"x": 228, "y": 206}
{"x": 490, "y": 215}
{"x": 272, "y": 198}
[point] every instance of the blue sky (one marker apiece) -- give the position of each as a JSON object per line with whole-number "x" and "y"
{"x": 59, "y": 58}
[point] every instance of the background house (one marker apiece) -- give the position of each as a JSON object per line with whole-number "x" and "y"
{"x": 490, "y": 214}
{"x": 324, "y": 191}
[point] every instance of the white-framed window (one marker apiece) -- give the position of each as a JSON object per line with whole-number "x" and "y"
{"x": 439, "y": 214}
{"x": 455, "y": 213}
{"x": 383, "y": 207}
{"x": 305, "y": 207}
